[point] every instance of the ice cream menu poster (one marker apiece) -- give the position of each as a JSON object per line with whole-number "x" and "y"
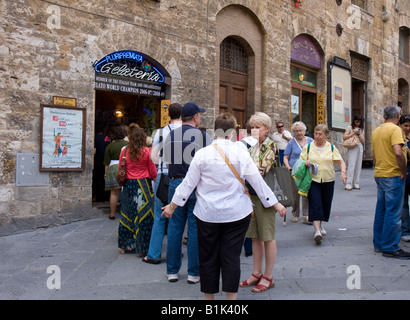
{"x": 62, "y": 139}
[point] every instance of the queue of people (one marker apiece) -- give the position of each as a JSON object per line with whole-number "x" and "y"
{"x": 217, "y": 189}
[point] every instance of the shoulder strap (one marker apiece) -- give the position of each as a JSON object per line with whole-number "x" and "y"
{"x": 246, "y": 144}
{"x": 161, "y": 139}
{"x": 232, "y": 168}
{"x": 333, "y": 147}
{"x": 124, "y": 157}
{"x": 308, "y": 149}
{"x": 277, "y": 162}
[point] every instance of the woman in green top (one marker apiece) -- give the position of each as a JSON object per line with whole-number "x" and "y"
{"x": 262, "y": 226}
{"x": 111, "y": 159}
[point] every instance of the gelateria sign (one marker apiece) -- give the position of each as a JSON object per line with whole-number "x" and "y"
{"x": 129, "y": 72}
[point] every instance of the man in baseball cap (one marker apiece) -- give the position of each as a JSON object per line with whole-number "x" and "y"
{"x": 180, "y": 147}
{"x": 190, "y": 109}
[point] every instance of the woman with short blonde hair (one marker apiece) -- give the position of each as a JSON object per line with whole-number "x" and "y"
{"x": 262, "y": 225}
{"x": 262, "y": 119}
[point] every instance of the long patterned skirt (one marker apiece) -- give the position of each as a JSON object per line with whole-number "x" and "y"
{"x": 137, "y": 216}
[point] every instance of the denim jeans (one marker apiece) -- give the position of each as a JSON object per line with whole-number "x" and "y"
{"x": 176, "y": 227}
{"x": 387, "y": 220}
{"x": 158, "y": 229}
{"x": 405, "y": 216}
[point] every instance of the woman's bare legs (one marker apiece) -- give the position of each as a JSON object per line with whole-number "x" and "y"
{"x": 113, "y": 201}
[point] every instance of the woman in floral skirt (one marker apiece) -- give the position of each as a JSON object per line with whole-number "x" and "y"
{"x": 137, "y": 207}
{"x": 111, "y": 156}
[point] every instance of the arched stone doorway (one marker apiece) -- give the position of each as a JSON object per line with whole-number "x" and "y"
{"x": 306, "y": 63}
{"x": 238, "y": 81}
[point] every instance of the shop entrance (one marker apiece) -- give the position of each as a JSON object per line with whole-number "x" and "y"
{"x": 306, "y": 63}
{"x": 304, "y": 96}
{"x": 304, "y": 108}
{"x": 116, "y": 108}
{"x": 129, "y": 87}
{"x": 113, "y": 109}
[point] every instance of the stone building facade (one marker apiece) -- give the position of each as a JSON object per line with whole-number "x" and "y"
{"x": 324, "y": 61}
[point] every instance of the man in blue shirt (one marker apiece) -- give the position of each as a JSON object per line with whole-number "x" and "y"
{"x": 179, "y": 149}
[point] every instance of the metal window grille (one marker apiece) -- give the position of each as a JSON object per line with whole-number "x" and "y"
{"x": 233, "y": 56}
{"x": 359, "y": 68}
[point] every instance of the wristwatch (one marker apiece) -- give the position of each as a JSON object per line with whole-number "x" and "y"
{"x": 171, "y": 206}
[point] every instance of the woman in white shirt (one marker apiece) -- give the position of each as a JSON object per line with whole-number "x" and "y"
{"x": 355, "y": 155}
{"x": 223, "y": 209}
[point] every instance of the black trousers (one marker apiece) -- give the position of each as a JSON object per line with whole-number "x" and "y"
{"x": 320, "y": 200}
{"x": 219, "y": 249}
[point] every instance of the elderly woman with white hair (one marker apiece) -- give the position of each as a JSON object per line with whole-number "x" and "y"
{"x": 291, "y": 155}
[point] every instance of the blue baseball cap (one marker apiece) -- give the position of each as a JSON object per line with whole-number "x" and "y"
{"x": 190, "y": 109}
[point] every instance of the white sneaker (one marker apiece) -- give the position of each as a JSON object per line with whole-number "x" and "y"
{"x": 193, "y": 279}
{"x": 172, "y": 277}
{"x": 405, "y": 238}
{"x": 322, "y": 230}
{"x": 318, "y": 237}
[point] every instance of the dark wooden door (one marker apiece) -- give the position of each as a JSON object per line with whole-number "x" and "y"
{"x": 233, "y": 94}
{"x": 357, "y": 98}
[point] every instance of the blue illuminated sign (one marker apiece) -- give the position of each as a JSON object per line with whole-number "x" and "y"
{"x": 129, "y": 64}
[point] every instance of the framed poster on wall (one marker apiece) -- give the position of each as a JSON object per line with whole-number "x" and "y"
{"x": 340, "y": 96}
{"x": 62, "y": 145}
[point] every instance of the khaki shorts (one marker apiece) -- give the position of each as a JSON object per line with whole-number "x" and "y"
{"x": 262, "y": 225}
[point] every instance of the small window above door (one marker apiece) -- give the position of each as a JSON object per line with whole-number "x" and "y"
{"x": 233, "y": 56}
